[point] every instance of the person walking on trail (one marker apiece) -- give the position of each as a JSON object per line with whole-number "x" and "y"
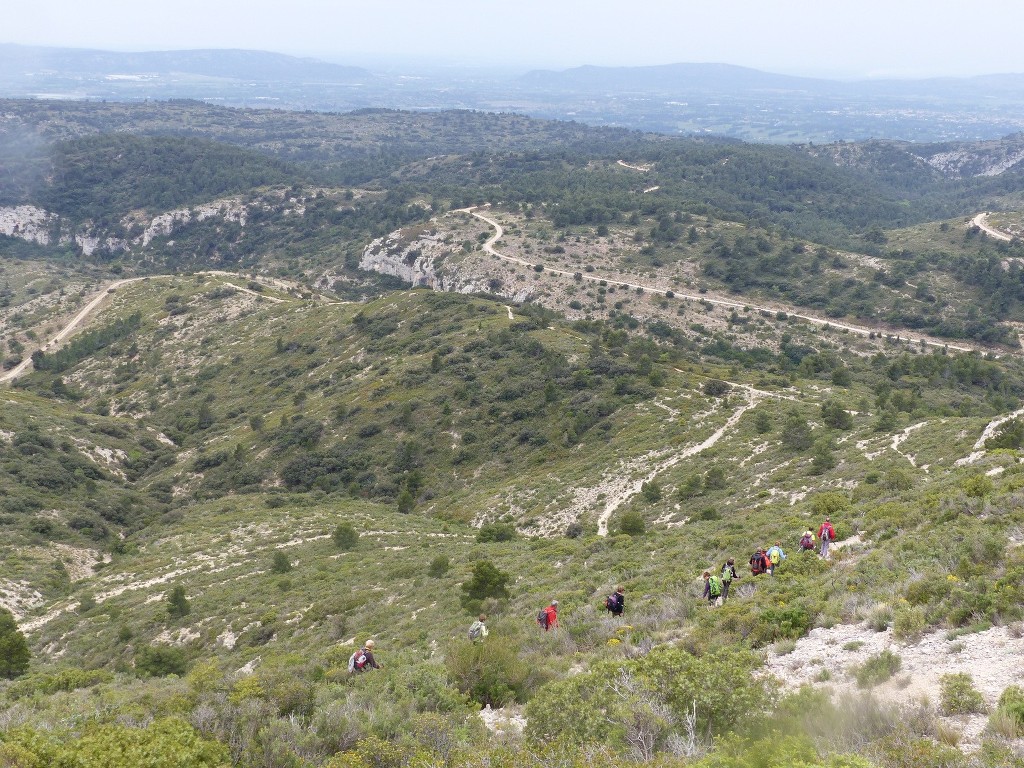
{"x": 827, "y": 534}
{"x": 712, "y": 589}
{"x": 478, "y": 630}
{"x": 758, "y": 563}
{"x": 775, "y": 556}
{"x": 548, "y": 617}
{"x": 615, "y": 603}
{"x": 728, "y": 574}
{"x": 363, "y": 659}
{"x": 807, "y": 542}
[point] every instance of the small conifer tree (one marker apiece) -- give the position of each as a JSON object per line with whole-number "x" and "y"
{"x": 177, "y": 604}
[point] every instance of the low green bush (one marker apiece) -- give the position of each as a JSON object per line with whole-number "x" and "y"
{"x": 160, "y": 660}
{"x": 490, "y": 673}
{"x": 1011, "y": 702}
{"x": 877, "y": 669}
{"x": 958, "y": 696}
{"x": 345, "y": 536}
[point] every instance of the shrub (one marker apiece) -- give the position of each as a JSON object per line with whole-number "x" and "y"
{"x": 1012, "y": 702}
{"x": 651, "y": 491}
{"x": 880, "y": 618}
{"x": 958, "y": 696}
{"x": 908, "y": 622}
{"x": 160, "y": 660}
{"x": 162, "y": 744}
{"x": 716, "y": 388}
{"x": 486, "y": 582}
{"x": 345, "y": 536}
{"x": 177, "y": 603}
{"x": 615, "y": 701}
{"x": 493, "y": 532}
{"x": 632, "y": 524}
{"x": 877, "y": 669}
{"x": 438, "y": 566}
{"x": 977, "y": 486}
{"x": 14, "y": 653}
{"x": 716, "y": 479}
{"x": 780, "y": 623}
{"x": 829, "y": 503}
{"x": 489, "y": 673}
{"x": 897, "y": 479}
{"x": 835, "y": 416}
{"x": 796, "y": 432}
{"x": 279, "y": 562}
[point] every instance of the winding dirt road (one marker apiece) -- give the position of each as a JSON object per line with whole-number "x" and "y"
{"x": 858, "y": 329}
{"x": 98, "y": 301}
{"x": 981, "y": 222}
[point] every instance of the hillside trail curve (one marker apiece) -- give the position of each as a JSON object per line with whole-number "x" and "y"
{"x": 99, "y": 301}
{"x": 860, "y": 330}
{"x": 981, "y": 222}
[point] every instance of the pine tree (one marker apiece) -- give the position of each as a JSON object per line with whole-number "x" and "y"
{"x": 177, "y": 604}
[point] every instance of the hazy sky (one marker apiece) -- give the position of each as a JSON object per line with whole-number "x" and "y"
{"x": 857, "y": 38}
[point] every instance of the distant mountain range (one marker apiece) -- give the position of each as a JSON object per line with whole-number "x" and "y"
{"x": 715, "y": 99}
{"x": 732, "y": 78}
{"x": 28, "y": 62}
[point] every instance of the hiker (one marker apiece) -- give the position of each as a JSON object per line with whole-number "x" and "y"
{"x": 548, "y": 617}
{"x": 728, "y": 574}
{"x": 616, "y": 602}
{"x": 712, "y": 589}
{"x": 478, "y": 630}
{"x": 775, "y": 556}
{"x": 807, "y": 542}
{"x": 758, "y": 563}
{"x": 363, "y": 658}
{"x": 826, "y": 533}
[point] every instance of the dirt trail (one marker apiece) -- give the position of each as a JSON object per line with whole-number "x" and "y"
{"x": 708, "y": 298}
{"x": 989, "y": 431}
{"x": 641, "y": 168}
{"x": 92, "y": 306}
{"x": 99, "y": 300}
{"x": 981, "y": 222}
{"x": 631, "y": 488}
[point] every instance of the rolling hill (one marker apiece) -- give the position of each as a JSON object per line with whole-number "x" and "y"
{"x": 254, "y": 454}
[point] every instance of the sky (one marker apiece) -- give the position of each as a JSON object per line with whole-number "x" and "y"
{"x": 854, "y": 38}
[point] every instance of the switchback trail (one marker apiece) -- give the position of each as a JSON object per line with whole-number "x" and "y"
{"x": 635, "y": 487}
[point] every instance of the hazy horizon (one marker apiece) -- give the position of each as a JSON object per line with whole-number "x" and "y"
{"x": 911, "y": 39}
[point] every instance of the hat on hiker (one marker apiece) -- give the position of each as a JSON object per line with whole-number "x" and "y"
{"x": 369, "y": 643}
{"x": 554, "y": 602}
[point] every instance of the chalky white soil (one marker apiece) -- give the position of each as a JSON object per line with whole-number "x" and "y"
{"x": 994, "y": 659}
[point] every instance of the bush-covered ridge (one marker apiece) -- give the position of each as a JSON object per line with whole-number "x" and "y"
{"x": 249, "y": 391}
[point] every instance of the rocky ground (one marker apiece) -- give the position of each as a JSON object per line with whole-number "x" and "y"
{"x": 828, "y": 658}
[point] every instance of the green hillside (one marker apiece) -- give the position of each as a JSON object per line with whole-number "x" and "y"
{"x": 252, "y": 455}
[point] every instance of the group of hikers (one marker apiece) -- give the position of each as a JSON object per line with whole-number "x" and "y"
{"x": 716, "y": 590}
{"x": 716, "y": 587}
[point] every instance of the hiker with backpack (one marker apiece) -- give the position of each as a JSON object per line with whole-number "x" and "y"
{"x": 728, "y": 574}
{"x": 758, "y": 563}
{"x": 363, "y": 659}
{"x": 807, "y": 542}
{"x": 548, "y": 617}
{"x": 827, "y": 534}
{"x": 712, "y": 589}
{"x": 478, "y": 630}
{"x": 775, "y": 556}
{"x": 615, "y": 603}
